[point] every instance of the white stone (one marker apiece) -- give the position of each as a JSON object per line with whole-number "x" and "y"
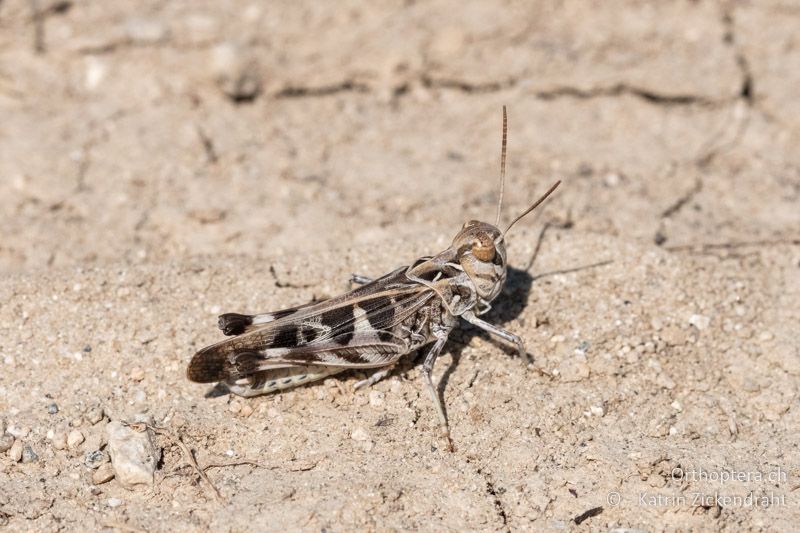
{"x": 15, "y": 453}
{"x": 359, "y": 434}
{"x": 96, "y": 70}
{"x": 103, "y": 474}
{"x": 75, "y": 438}
{"x": 20, "y": 433}
{"x": 235, "y": 71}
{"x": 133, "y": 453}
{"x": 6, "y": 442}
{"x": 94, "y": 415}
{"x": 59, "y": 440}
{"x": 145, "y": 31}
{"x": 376, "y": 398}
{"x": 699, "y": 321}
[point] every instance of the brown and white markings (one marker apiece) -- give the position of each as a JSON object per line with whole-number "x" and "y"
{"x": 372, "y": 326}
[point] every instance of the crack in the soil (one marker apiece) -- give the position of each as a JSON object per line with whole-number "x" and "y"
{"x": 621, "y": 89}
{"x": 713, "y": 148}
{"x": 567, "y": 91}
{"x": 325, "y": 90}
{"x": 466, "y": 86}
{"x": 684, "y": 199}
{"x": 494, "y": 493}
{"x": 746, "y": 92}
{"x": 208, "y": 145}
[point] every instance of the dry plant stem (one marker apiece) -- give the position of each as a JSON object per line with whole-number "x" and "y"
{"x": 122, "y": 527}
{"x": 175, "y": 439}
{"x": 236, "y": 463}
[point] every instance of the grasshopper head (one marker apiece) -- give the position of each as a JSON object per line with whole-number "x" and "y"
{"x": 481, "y": 252}
{"x": 481, "y": 248}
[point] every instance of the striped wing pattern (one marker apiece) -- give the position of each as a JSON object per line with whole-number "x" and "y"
{"x": 357, "y": 329}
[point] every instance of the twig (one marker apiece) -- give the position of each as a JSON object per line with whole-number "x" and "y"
{"x": 122, "y": 527}
{"x": 176, "y": 439}
{"x": 238, "y": 463}
{"x": 565, "y": 224}
{"x": 38, "y": 27}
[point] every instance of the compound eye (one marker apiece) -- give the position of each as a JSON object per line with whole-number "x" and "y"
{"x": 483, "y": 253}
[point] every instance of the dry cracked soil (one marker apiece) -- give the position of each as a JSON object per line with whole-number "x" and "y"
{"x": 163, "y": 162}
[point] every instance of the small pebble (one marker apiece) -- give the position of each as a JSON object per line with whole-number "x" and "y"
{"x": 145, "y": 31}
{"x": 59, "y": 440}
{"x": 235, "y": 406}
{"x": 699, "y": 321}
{"x": 574, "y": 369}
{"x": 94, "y": 415}
{"x": 74, "y": 438}
{"x": 359, "y": 434}
{"x": 95, "y": 441}
{"x": 103, "y": 474}
{"x": 200, "y": 29}
{"x": 246, "y": 411}
{"x": 235, "y": 72}
{"x": 137, "y": 374}
{"x": 52, "y": 408}
{"x": 133, "y": 453}
{"x": 94, "y": 458}
{"x": 114, "y": 502}
{"x": 15, "y": 452}
{"x": 360, "y": 399}
{"x": 448, "y": 42}
{"x": 376, "y": 398}
{"x": 673, "y": 335}
{"x": 28, "y": 455}
{"x": 20, "y": 433}
{"x": 612, "y": 179}
{"x": 395, "y": 386}
{"x": 6, "y": 442}
{"x": 677, "y": 406}
{"x": 597, "y": 410}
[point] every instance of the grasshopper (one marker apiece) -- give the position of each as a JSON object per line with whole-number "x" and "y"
{"x": 373, "y": 325}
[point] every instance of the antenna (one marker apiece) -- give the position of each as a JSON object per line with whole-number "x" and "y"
{"x": 502, "y": 167}
{"x": 534, "y": 206}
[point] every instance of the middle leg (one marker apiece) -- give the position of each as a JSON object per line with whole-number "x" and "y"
{"x": 427, "y": 369}
{"x": 494, "y": 330}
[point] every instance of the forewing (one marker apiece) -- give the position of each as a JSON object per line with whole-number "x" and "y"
{"x": 353, "y": 330}
{"x": 236, "y": 323}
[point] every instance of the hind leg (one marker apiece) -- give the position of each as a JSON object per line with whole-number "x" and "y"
{"x": 280, "y": 379}
{"x": 374, "y": 378}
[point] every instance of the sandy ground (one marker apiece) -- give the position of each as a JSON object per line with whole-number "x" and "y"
{"x": 162, "y": 162}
